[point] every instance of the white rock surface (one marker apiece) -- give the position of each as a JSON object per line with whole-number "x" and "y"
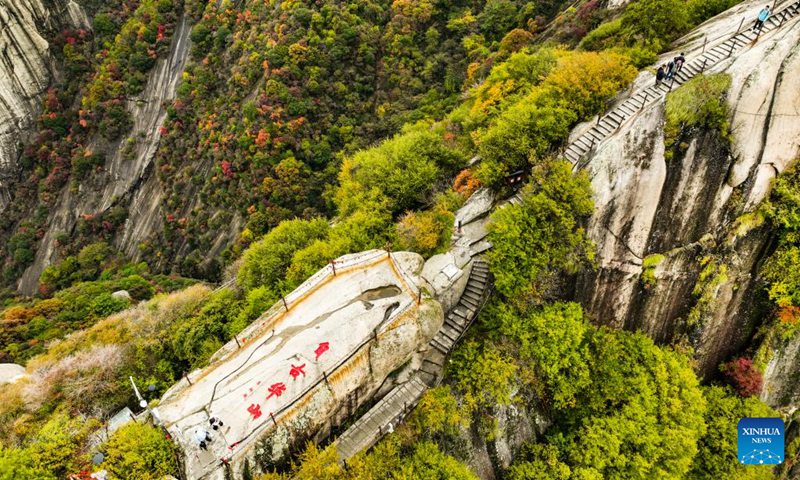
{"x": 121, "y": 295}
{"x": 370, "y": 319}
{"x": 478, "y": 205}
{"x": 645, "y": 205}
{"x": 11, "y": 372}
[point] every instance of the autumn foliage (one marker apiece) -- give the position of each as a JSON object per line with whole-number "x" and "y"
{"x": 743, "y": 375}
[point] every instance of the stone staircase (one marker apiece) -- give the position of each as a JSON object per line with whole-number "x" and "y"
{"x": 456, "y": 323}
{"x": 394, "y": 406}
{"x": 612, "y": 121}
{"x": 376, "y": 422}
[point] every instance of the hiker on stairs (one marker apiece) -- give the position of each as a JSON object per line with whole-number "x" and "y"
{"x": 763, "y": 15}
{"x": 671, "y": 70}
{"x": 679, "y": 61}
{"x": 660, "y": 74}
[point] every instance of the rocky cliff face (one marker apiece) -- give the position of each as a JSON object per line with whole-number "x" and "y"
{"x": 27, "y": 68}
{"x": 128, "y": 178}
{"x": 678, "y": 247}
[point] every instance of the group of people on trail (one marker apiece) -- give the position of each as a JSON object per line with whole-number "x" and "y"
{"x": 763, "y": 15}
{"x": 668, "y": 71}
{"x": 202, "y": 436}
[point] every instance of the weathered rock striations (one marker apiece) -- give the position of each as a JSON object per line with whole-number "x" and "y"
{"x": 695, "y": 208}
{"x": 128, "y": 177}
{"x": 27, "y": 69}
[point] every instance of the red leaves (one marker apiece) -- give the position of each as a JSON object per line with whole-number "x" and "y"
{"x": 227, "y": 169}
{"x": 745, "y": 378}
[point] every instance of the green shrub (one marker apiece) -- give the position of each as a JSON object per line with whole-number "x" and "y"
{"x": 698, "y": 104}
{"x": 17, "y": 464}
{"x": 58, "y": 445}
{"x": 536, "y": 124}
{"x": 139, "y": 451}
{"x": 363, "y": 230}
{"x": 427, "y": 232}
{"x": 523, "y": 133}
{"x": 537, "y": 240}
{"x": 265, "y": 262}
{"x": 716, "y": 456}
{"x": 404, "y": 169}
{"x": 194, "y": 339}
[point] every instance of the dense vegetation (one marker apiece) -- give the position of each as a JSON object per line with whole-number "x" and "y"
{"x": 103, "y": 70}
{"x": 293, "y": 113}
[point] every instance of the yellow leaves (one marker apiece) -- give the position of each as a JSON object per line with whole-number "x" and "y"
{"x": 419, "y": 10}
{"x": 489, "y": 95}
{"x": 586, "y": 78}
{"x": 471, "y": 69}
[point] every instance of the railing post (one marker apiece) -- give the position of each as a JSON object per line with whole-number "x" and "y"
{"x": 740, "y": 26}
{"x": 238, "y": 345}
{"x": 333, "y": 265}
{"x": 644, "y": 100}
{"x": 273, "y": 419}
{"x": 419, "y": 297}
{"x": 705, "y": 41}
{"x": 186, "y": 376}
{"x": 733, "y": 45}
{"x": 284, "y": 304}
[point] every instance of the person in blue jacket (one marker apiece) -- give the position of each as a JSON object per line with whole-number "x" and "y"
{"x": 763, "y": 15}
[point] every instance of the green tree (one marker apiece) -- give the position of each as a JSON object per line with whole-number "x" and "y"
{"x": 539, "y": 462}
{"x": 404, "y": 169}
{"x": 484, "y": 375}
{"x": 265, "y": 262}
{"x": 717, "y": 450}
{"x": 541, "y": 237}
{"x": 642, "y": 416}
{"x": 553, "y": 343}
{"x": 138, "y": 451}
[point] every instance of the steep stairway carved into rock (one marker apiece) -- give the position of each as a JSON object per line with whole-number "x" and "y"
{"x": 610, "y": 123}
{"x": 371, "y": 427}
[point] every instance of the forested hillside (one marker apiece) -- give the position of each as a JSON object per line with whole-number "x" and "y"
{"x": 302, "y": 131}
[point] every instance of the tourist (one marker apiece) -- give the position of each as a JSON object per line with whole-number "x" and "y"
{"x": 763, "y": 15}
{"x": 202, "y": 437}
{"x": 660, "y": 74}
{"x": 679, "y": 61}
{"x": 670, "y": 70}
{"x": 216, "y": 423}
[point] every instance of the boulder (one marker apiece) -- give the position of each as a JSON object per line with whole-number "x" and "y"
{"x": 11, "y": 372}
{"x": 121, "y": 295}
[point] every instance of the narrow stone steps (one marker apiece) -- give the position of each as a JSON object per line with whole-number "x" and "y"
{"x": 611, "y": 121}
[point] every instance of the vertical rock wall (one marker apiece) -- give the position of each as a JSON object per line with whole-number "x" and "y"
{"x": 678, "y": 250}
{"x": 128, "y": 178}
{"x": 27, "y": 69}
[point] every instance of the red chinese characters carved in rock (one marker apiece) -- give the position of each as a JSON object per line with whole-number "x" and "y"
{"x": 276, "y": 390}
{"x": 255, "y": 410}
{"x": 322, "y": 348}
{"x": 297, "y": 370}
